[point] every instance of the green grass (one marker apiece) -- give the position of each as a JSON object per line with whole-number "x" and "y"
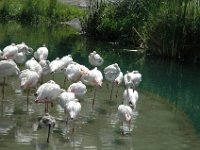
{"x": 38, "y": 11}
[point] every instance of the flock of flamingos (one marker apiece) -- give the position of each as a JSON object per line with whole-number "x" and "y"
{"x": 78, "y": 75}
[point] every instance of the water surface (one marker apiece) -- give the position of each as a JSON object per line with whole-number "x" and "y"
{"x": 166, "y": 116}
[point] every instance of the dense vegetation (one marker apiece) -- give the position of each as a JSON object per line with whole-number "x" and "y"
{"x": 38, "y": 11}
{"x": 170, "y": 28}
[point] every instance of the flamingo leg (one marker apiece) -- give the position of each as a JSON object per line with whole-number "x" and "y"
{"x": 94, "y": 97}
{"x": 27, "y": 98}
{"x": 122, "y": 128}
{"x": 3, "y": 90}
{"x": 48, "y": 133}
{"x": 65, "y": 80}
{"x": 117, "y": 91}
{"x": 111, "y": 90}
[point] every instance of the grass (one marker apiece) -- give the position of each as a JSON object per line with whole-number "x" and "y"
{"x": 38, "y": 11}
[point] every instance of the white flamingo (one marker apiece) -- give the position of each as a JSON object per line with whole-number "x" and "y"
{"x": 95, "y": 59}
{"x": 93, "y": 78}
{"x": 130, "y": 97}
{"x": 7, "y": 68}
{"x": 28, "y": 80}
{"x": 64, "y": 98}
{"x": 45, "y": 68}
{"x": 11, "y": 51}
{"x": 56, "y": 66}
{"x": 47, "y": 93}
{"x": 79, "y": 89}
{"x": 47, "y": 120}
{"x": 23, "y": 51}
{"x": 74, "y": 71}
{"x": 66, "y": 60}
{"x": 111, "y": 72}
{"x": 24, "y": 48}
{"x": 125, "y": 115}
{"x": 132, "y": 78}
{"x": 41, "y": 53}
{"x": 20, "y": 58}
{"x": 33, "y": 65}
{"x": 73, "y": 109}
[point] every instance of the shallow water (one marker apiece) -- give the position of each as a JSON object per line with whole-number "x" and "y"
{"x": 162, "y": 119}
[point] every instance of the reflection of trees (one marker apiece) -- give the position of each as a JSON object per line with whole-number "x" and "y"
{"x": 176, "y": 82}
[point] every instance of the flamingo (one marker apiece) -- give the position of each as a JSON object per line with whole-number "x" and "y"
{"x": 41, "y": 53}
{"x": 132, "y": 78}
{"x": 49, "y": 121}
{"x": 66, "y": 60}
{"x": 64, "y": 98}
{"x": 11, "y": 51}
{"x": 74, "y": 71}
{"x": 45, "y": 68}
{"x": 23, "y": 50}
{"x": 93, "y": 78}
{"x": 8, "y": 68}
{"x": 28, "y": 80}
{"x": 73, "y": 109}
{"x": 79, "y": 89}
{"x": 111, "y": 72}
{"x": 130, "y": 97}
{"x": 125, "y": 115}
{"x": 56, "y": 66}
{"x": 47, "y": 93}
{"x": 33, "y": 65}
{"x": 95, "y": 59}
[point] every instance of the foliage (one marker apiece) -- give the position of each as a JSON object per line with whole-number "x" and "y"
{"x": 169, "y": 28}
{"x": 38, "y": 11}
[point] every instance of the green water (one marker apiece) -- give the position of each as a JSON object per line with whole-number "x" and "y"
{"x": 167, "y": 114}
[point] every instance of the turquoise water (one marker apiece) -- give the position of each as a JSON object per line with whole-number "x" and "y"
{"x": 167, "y": 114}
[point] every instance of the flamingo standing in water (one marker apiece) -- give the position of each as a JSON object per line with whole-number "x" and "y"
{"x": 64, "y": 98}
{"x": 23, "y": 50}
{"x": 28, "y": 80}
{"x": 47, "y": 93}
{"x": 132, "y": 78}
{"x": 45, "y": 68}
{"x": 41, "y": 53}
{"x": 49, "y": 121}
{"x": 73, "y": 109}
{"x": 11, "y": 51}
{"x": 70, "y": 104}
{"x": 7, "y": 68}
{"x": 74, "y": 71}
{"x": 111, "y": 72}
{"x": 130, "y": 95}
{"x": 95, "y": 59}
{"x": 93, "y": 78}
{"x": 66, "y": 60}
{"x": 79, "y": 89}
{"x": 33, "y": 65}
{"x": 125, "y": 115}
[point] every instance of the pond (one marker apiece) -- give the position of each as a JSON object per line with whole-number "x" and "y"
{"x": 166, "y": 117}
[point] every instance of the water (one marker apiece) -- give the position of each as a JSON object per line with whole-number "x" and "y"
{"x": 167, "y": 114}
